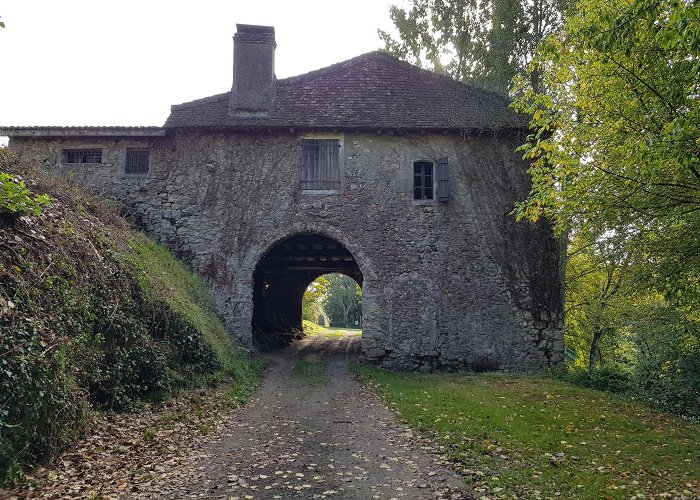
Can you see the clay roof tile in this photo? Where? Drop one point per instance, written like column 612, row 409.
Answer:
column 371, row 91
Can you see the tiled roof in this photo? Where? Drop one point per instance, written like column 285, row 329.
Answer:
column 106, row 131
column 371, row 91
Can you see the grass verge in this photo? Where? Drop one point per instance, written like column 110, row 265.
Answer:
column 531, row 437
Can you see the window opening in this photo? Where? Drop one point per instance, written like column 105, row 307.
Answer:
column 71, row 156
column 136, row 161
column 320, row 164
column 422, row 180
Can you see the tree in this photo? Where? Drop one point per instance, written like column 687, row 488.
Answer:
column 314, row 293
column 483, row 42
column 343, row 300
column 599, row 288
column 616, row 134
column 615, row 150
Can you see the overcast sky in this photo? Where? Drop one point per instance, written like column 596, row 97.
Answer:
column 124, row 62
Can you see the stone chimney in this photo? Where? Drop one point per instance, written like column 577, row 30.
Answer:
column 253, row 90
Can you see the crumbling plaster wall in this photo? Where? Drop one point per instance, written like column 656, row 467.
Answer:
column 446, row 285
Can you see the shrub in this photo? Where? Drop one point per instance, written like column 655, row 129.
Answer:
column 610, row 379
column 16, row 199
column 93, row 316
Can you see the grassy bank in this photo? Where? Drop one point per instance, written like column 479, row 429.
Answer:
column 93, row 316
column 531, row 437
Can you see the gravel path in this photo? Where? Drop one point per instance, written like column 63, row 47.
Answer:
column 317, row 437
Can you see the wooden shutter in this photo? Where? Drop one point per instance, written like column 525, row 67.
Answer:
column 443, row 180
column 309, row 169
column 329, row 166
column 320, row 164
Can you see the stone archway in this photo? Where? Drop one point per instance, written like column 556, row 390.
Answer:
column 281, row 277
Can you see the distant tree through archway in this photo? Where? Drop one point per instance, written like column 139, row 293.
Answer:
column 280, row 279
column 335, row 297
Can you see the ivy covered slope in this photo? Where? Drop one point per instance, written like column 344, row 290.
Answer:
column 93, row 315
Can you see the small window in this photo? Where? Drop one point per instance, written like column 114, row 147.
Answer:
column 136, row 161
column 320, row 169
column 423, row 180
column 431, row 181
column 72, row 156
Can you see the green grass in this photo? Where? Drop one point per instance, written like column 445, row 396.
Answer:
column 312, row 369
column 167, row 279
column 533, row 437
column 313, row 329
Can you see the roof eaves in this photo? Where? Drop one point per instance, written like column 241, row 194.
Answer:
column 364, row 128
column 106, row 131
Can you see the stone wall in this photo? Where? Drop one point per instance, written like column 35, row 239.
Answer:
column 450, row 285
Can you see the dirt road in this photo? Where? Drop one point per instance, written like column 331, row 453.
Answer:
column 312, row 431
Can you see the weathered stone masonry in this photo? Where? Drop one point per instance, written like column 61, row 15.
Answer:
column 446, row 285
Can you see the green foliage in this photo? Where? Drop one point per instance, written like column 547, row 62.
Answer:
column 615, row 142
column 311, row 305
column 342, row 301
column 615, row 150
column 627, row 337
column 335, row 295
column 16, row 199
column 89, row 322
column 195, row 329
column 532, row 437
column 484, row 43
column 599, row 290
column 311, row 328
column 667, row 371
column 606, row 378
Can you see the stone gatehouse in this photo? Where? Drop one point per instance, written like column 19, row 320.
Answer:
column 395, row 176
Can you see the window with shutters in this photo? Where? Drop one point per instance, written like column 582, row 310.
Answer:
column 136, row 161
column 320, row 168
column 423, row 180
column 431, row 180
column 73, row 156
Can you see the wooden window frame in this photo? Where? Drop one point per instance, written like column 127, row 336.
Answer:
column 438, row 178
column 422, row 192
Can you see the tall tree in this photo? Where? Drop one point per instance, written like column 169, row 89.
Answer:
column 599, row 289
column 343, row 300
column 311, row 304
column 616, row 133
column 483, row 42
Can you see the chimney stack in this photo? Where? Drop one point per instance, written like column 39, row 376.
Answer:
column 253, row 90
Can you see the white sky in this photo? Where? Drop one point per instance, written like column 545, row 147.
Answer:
column 124, row 62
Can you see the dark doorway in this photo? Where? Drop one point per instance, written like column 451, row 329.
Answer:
column 280, row 279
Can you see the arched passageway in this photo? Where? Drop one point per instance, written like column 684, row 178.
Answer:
column 280, row 279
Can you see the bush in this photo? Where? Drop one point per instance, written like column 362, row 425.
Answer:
column 43, row 408
column 667, row 373
column 16, row 199
column 608, row 379
column 94, row 316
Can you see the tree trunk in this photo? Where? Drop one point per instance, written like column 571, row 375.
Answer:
column 594, row 353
